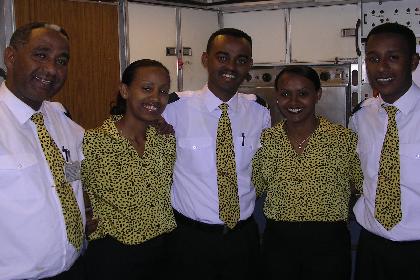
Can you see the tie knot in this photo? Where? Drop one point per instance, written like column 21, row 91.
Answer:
column 391, row 110
column 38, row 119
column 224, row 107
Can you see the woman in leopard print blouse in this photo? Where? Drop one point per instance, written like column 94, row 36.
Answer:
column 127, row 173
column 305, row 166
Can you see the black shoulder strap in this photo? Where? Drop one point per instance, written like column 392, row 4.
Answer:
column 261, row 101
column 357, row 108
column 173, row 97
column 67, row 112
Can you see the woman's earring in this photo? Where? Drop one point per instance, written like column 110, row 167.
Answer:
column 277, row 101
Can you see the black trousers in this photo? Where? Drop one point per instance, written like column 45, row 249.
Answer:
column 306, row 250
column 382, row 259
column 76, row 272
column 207, row 252
column 107, row 258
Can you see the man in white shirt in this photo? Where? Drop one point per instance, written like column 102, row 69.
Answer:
column 204, row 247
column 33, row 238
column 389, row 250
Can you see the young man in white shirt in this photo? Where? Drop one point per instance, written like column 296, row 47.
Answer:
column 203, row 246
column 389, row 248
column 33, row 237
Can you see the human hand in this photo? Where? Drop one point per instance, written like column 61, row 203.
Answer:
column 91, row 223
column 163, row 127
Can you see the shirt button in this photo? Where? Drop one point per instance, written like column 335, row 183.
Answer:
column 194, row 147
column 19, row 166
column 418, row 156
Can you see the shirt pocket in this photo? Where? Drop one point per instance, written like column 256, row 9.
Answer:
column 410, row 163
column 197, row 154
column 245, row 149
column 17, row 174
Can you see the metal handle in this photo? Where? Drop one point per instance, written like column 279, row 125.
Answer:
column 358, row 52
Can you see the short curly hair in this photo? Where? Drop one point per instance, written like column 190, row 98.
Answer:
column 396, row 28
column 22, row 34
column 228, row 32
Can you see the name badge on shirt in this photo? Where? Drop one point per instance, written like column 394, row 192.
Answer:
column 71, row 168
column 72, row 171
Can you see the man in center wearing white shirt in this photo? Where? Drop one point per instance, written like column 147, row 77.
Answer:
column 389, row 251
column 202, row 246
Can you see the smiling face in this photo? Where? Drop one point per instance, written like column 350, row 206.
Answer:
column 389, row 65
column 147, row 94
column 37, row 70
column 296, row 98
column 228, row 62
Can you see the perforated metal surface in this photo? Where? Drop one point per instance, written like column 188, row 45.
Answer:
column 335, row 103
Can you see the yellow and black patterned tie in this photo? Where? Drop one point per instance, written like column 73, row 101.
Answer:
column 227, row 180
column 388, row 193
column 71, row 212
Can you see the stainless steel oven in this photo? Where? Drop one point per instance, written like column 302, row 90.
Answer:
column 335, row 103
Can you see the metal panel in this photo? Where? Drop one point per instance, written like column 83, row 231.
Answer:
column 179, row 68
column 123, row 34
column 405, row 12
column 149, row 35
column 247, row 6
column 197, row 26
column 7, row 23
column 316, row 33
column 268, row 32
column 335, row 103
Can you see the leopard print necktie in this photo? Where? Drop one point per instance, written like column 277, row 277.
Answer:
column 71, row 212
column 388, row 193
column 227, row 181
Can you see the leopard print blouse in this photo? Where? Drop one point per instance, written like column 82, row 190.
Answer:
column 130, row 194
column 314, row 185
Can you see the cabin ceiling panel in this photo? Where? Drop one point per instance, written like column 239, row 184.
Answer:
column 232, row 6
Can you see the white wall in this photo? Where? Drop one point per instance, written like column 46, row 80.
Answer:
column 316, row 33
column 196, row 28
column 150, row 30
column 267, row 29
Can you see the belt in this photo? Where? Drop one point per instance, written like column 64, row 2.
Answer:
column 217, row 228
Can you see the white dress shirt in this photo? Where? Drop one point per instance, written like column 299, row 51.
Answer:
column 195, row 117
column 33, row 238
column 370, row 123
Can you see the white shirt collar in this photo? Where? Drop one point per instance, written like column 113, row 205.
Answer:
column 406, row 102
column 19, row 109
column 212, row 102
